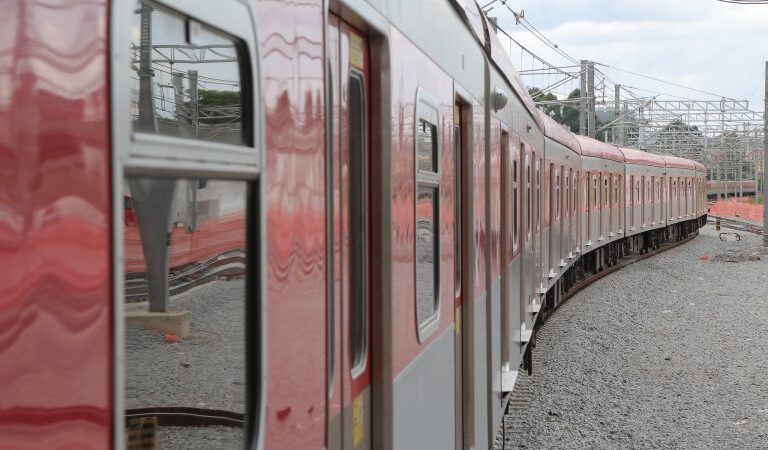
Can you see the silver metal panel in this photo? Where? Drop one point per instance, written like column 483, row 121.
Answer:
column 545, row 253
column 494, row 395
column 481, row 378
column 454, row 52
column 423, row 398
column 515, row 320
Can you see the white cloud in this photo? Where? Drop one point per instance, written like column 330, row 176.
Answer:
column 706, row 44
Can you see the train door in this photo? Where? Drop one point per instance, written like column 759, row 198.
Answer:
column 350, row 394
column 460, row 141
column 538, row 206
column 527, row 276
column 575, row 217
column 554, row 187
column 565, row 241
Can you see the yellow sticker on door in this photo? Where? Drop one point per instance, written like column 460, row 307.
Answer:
column 358, row 420
column 356, row 51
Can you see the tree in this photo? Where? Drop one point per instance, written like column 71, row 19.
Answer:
column 570, row 116
column 553, row 110
column 211, row 97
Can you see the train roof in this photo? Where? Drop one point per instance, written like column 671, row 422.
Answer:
column 679, row 163
column 700, row 166
column 502, row 61
column 633, row 156
column 473, row 16
column 597, row 149
column 559, row 133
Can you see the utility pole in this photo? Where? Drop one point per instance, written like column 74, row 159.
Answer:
column 147, row 121
column 583, row 99
column 765, row 160
column 591, row 89
column 624, row 127
column 616, row 114
column 742, row 154
column 722, row 150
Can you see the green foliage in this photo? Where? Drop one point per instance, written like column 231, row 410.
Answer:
column 552, row 110
column 210, row 97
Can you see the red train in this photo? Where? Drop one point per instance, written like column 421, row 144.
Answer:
column 288, row 224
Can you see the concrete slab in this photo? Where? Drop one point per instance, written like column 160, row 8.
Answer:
column 176, row 322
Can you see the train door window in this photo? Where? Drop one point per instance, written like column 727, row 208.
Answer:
column 189, row 278
column 457, row 184
column 674, row 189
column 606, row 196
column 567, row 203
column 587, row 190
column 528, row 195
column 658, row 191
column 575, row 192
column 637, row 191
column 427, row 216
column 556, row 200
column 647, row 198
column 358, row 221
column 595, row 192
column 538, row 193
column 615, row 190
column 514, row 200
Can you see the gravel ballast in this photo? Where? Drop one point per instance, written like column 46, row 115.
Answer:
column 204, row 370
column 670, row 352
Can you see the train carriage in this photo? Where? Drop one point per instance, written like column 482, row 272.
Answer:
column 601, row 220
column 645, row 207
column 563, row 156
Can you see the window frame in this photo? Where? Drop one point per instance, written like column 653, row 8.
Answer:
column 424, row 104
column 153, row 155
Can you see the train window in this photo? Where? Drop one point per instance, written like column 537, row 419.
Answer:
column 358, row 222
column 514, row 202
column 637, row 192
column 188, row 328
column 189, row 309
column 528, row 196
column 186, row 79
column 567, row 203
column 575, row 192
column 457, row 189
column 556, row 202
column 674, row 189
column 587, row 196
column 538, row 193
column 595, row 192
column 426, row 254
column 658, row 191
column 606, row 196
column 427, row 214
column 647, row 190
column 426, row 138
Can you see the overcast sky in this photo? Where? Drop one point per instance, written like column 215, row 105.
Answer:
column 705, row 44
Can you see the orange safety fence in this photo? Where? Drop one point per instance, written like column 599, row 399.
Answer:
column 740, row 209
column 213, row 237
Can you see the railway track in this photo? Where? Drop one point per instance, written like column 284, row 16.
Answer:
column 736, row 224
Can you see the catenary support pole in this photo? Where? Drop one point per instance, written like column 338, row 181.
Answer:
column 583, row 99
column 616, row 114
column 591, row 119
